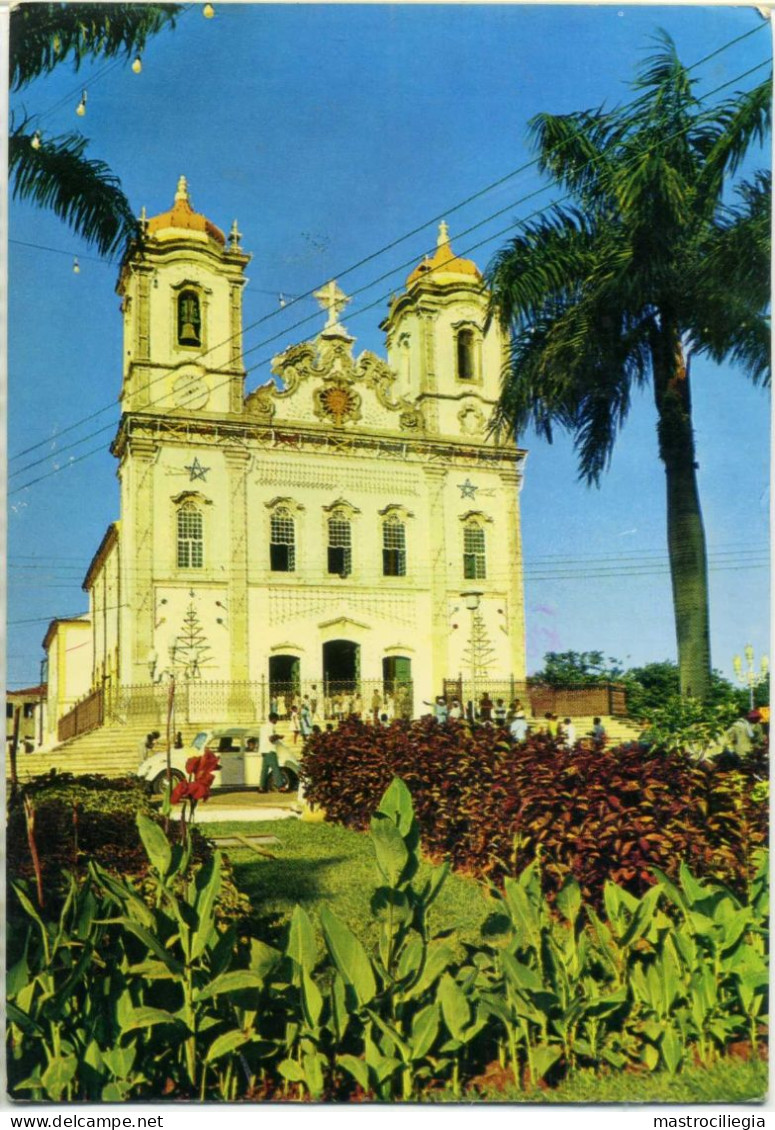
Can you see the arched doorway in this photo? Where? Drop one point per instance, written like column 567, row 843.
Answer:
column 341, row 666
column 397, row 680
column 284, row 682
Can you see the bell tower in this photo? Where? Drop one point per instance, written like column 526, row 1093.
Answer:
column 438, row 344
column 181, row 292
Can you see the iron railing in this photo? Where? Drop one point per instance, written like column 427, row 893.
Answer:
column 199, row 701
column 85, row 715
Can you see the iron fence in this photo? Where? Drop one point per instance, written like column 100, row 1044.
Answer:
column 199, row 701
column 85, row 715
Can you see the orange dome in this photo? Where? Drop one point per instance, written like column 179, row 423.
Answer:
column 444, row 263
column 183, row 216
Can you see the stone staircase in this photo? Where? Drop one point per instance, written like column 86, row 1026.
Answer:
column 113, row 750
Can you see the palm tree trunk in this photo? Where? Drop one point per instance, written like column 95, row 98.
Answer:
column 685, row 532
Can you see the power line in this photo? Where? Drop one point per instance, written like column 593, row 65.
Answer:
column 387, row 247
column 352, row 314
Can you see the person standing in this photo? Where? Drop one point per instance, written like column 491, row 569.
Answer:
column 499, row 713
column 305, row 718
column 485, row 707
column 598, row 734
column 440, row 710
column 295, row 724
column 455, row 711
column 518, row 728
column 270, row 765
column 569, row 733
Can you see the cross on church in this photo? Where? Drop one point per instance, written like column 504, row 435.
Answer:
column 332, row 299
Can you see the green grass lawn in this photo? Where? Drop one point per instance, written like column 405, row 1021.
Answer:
column 729, row 1081
column 324, row 863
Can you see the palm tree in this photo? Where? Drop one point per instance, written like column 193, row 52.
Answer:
column 54, row 172
column 648, row 267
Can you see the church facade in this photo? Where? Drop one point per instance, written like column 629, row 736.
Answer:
column 349, row 527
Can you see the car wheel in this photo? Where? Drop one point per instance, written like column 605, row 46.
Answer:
column 290, row 780
column 160, row 782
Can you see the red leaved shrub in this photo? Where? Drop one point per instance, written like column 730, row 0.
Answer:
column 490, row 807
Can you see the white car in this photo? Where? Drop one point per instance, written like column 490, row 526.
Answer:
column 240, row 767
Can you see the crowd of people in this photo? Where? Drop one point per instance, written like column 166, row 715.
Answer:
column 514, row 718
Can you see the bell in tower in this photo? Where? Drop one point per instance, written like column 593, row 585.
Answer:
column 189, row 319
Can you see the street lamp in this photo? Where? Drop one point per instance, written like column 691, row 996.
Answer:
column 749, row 676
column 472, row 599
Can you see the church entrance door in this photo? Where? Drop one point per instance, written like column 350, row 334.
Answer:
column 397, row 681
column 341, row 666
column 284, row 682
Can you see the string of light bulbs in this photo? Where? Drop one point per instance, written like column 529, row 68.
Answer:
column 314, row 315
column 286, row 301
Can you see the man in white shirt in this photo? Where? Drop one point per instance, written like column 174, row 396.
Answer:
column 569, row 732
column 267, row 739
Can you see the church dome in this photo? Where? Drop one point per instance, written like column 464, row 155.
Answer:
column 444, row 266
column 183, row 217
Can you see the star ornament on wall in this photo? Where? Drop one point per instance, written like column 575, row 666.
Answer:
column 467, row 489
column 197, row 471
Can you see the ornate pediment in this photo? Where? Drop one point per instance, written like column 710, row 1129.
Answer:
column 327, row 384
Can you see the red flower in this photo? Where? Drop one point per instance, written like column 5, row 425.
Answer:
column 180, row 792
column 192, row 765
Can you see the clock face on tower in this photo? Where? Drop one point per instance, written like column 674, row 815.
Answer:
column 190, row 391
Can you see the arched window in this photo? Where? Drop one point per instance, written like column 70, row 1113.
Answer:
column 339, row 545
column 190, row 537
column 393, row 547
column 466, row 360
column 282, row 544
column 189, row 319
column 474, row 557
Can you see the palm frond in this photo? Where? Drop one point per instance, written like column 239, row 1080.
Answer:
column 44, row 35
column 80, row 191
column 732, row 129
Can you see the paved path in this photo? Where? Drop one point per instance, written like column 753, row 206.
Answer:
column 246, row 807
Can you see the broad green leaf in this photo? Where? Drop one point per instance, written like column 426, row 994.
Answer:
column 312, row 1001
column 569, row 899
column 521, row 975
column 671, row 1048
column 357, row 1068
column 544, row 1058
column 156, row 844
column 694, row 891
column 454, row 1006
column 59, row 1073
column 390, row 848
column 526, row 922
column 650, row 1056
column 231, row 982
column 147, row 1017
column 411, row 958
column 436, row 881
column 153, row 944
column 438, row 958
column 152, row 970
column 226, row 1043
column 291, row 1070
column 313, row 1063
column 339, row 1012
column 641, row 919
column 397, row 805
column 263, row 958
column 208, row 886
column 120, row 1060
column 302, row 946
column 349, row 956
column 425, row 1028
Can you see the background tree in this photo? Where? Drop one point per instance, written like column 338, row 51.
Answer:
column 54, row 172
column 650, row 268
column 576, row 668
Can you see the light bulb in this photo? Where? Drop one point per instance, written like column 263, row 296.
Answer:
column 81, row 107
column 137, row 66
column 76, row 267
column 35, row 143
column 208, row 11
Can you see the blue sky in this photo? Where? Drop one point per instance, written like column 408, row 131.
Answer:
column 331, row 132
